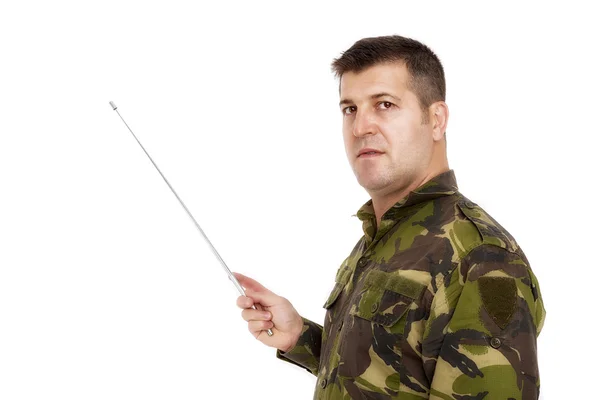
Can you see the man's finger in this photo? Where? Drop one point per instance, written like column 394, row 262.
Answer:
column 255, row 327
column 255, row 315
column 245, row 302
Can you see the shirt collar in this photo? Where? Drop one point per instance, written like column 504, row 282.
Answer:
column 443, row 184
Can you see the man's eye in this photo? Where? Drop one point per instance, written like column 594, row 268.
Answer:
column 348, row 110
column 385, row 104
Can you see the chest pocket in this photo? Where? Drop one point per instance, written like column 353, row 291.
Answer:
column 341, row 279
column 386, row 297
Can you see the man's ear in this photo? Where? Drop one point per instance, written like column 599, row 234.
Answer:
column 438, row 118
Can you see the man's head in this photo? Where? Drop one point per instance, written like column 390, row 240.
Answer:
column 392, row 92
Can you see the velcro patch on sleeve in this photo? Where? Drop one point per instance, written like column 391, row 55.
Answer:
column 499, row 297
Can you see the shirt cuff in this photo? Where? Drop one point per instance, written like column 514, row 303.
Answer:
column 307, row 351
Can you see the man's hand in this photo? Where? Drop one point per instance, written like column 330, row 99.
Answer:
column 273, row 312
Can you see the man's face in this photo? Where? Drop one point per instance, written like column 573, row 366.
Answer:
column 380, row 113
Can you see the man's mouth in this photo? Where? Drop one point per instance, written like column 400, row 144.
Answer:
column 366, row 153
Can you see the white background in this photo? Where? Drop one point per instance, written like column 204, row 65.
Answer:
column 107, row 291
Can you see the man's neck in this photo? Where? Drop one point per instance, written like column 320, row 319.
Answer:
column 383, row 203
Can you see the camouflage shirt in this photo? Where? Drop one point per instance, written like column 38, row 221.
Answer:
column 438, row 303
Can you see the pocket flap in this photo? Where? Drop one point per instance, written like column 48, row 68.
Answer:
column 341, row 278
column 386, row 297
column 395, row 283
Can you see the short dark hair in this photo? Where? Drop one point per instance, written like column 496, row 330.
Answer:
column 426, row 74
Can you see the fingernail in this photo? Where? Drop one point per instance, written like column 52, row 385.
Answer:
column 267, row 315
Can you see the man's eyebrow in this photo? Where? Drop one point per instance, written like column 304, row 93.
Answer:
column 373, row 96
column 345, row 101
column 384, row 94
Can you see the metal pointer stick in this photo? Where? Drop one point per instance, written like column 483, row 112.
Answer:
column 231, row 276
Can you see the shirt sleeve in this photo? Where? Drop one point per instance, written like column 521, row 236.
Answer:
column 307, row 352
column 480, row 340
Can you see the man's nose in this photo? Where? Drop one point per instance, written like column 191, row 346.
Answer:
column 364, row 124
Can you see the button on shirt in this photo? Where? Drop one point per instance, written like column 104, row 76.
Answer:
column 439, row 302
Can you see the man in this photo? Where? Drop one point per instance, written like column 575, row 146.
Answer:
column 436, row 300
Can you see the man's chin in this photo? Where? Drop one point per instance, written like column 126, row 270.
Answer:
column 372, row 185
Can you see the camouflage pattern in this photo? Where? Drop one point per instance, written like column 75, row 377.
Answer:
column 438, row 303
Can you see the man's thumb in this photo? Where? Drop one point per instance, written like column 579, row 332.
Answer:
column 255, row 290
